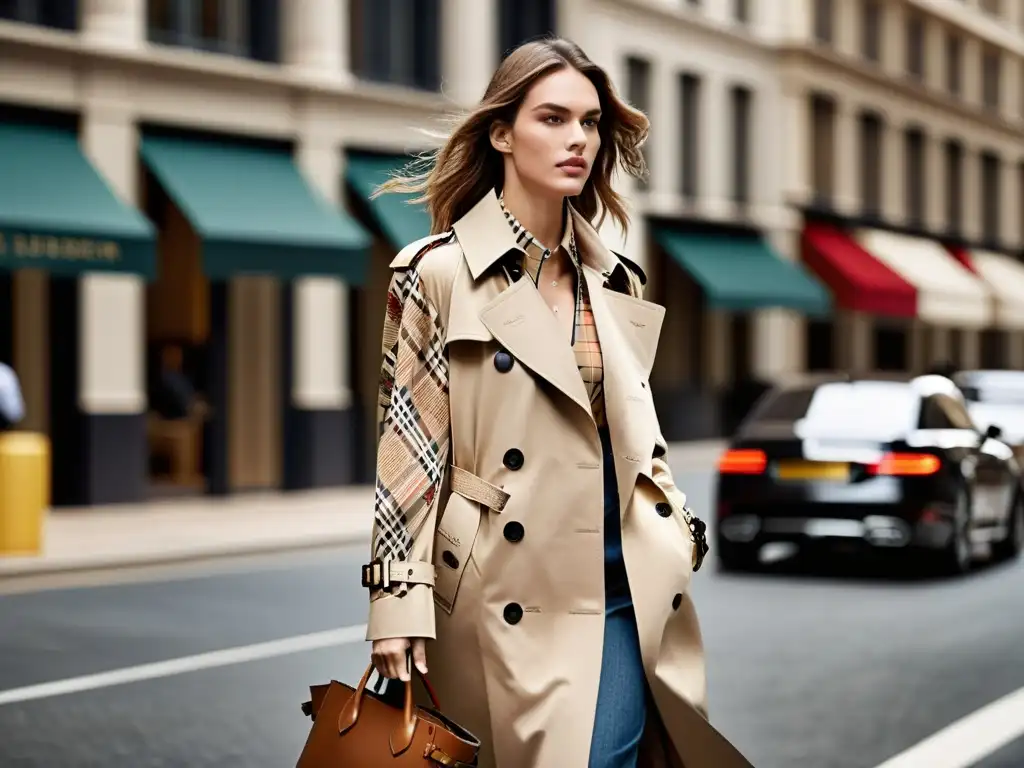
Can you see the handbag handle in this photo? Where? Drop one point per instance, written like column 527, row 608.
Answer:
column 401, row 737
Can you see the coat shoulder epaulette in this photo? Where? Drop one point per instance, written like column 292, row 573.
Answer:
column 414, row 251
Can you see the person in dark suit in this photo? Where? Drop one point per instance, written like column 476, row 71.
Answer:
column 174, row 395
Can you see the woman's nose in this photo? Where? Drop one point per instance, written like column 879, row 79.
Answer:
column 578, row 137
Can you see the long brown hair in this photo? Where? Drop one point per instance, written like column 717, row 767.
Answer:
column 450, row 180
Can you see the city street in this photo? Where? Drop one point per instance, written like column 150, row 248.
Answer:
column 837, row 671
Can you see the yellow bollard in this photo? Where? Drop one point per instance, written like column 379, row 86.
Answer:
column 24, row 491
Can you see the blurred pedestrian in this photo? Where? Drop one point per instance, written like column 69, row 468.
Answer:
column 174, row 395
column 12, row 406
column 551, row 573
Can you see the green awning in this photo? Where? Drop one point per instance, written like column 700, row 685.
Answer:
column 399, row 221
column 742, row 273
column 58, row 214
column 254, row 212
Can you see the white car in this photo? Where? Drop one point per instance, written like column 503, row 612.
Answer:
column 996, row 397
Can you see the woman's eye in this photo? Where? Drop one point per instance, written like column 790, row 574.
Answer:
column 552, row 119
column 590, row 122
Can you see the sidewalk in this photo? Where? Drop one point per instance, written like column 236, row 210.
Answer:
column 179, row 530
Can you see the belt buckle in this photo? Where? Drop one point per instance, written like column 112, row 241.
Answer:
column 377, row 575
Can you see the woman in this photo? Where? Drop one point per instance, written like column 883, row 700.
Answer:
column 528, row 539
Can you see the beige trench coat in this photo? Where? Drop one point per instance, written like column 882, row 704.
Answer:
column 519, row 622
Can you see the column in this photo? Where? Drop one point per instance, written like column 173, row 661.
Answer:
column 469, row 53
column 321, row 439
column 796, row 109
column 935, row 182
column 940, row 346
column 1015, row 349
column 714, row 148
column 97, row 322
column 970, row 349
column 894, row 177
column 1011, row 228
column 854, row 342
column 114, row 23
column 972, row 213
column 779, row 334
column 894, row 38
column 315, row 38
column 846, row 157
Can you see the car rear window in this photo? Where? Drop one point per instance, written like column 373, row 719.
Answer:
column 879, row 410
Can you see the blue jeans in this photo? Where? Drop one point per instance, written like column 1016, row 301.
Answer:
column 622, row 695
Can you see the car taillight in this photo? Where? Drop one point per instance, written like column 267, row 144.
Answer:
column 742, row 461
column 906, row 464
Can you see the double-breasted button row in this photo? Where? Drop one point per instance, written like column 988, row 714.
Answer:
column 514, row 531
column 513, row 613
column 663, row 508
column 677, row 601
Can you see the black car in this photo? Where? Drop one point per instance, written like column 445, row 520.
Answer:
column 868, row 464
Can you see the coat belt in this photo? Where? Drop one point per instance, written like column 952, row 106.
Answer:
column 476, row 489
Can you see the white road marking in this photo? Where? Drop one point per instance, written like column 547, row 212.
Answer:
column 222, row 658
column 968, row 740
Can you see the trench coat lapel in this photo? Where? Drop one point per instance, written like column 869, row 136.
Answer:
column 518, row 317
column 524, row 325
column 626, row 328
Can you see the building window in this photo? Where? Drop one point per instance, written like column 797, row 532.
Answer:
column 638, row 92
column 915, row 46
column 914, row 142
column 871, row 30
column 246, row 28
column 523, row 20
column 871, row 128
column 954, row 63
column 954, row 186
column 689, row 100
column 390, row 44
column 59, row 14
column 990, row 78
column 741, row 11
column 823, row 138
column 990, row 197
column 742, row 101
column 823, row 13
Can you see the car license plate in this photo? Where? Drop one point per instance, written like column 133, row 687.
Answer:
column 813, row 470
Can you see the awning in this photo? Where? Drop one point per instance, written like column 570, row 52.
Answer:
column 254, row 212
column 58, row 214
column 858, row 280
column 741, row 273
column 1004, row 277
column 399, row 221
column 947, row 293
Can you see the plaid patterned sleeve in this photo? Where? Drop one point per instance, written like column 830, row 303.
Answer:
column 414, row 425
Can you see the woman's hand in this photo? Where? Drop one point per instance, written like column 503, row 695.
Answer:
column 390, row 656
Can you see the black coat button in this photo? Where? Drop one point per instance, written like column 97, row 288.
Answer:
column 513, row 613
column 663, row 509
column 450, row 559
column 676, row 602
column 503, row 361
column 513, row 459
column 514, row 531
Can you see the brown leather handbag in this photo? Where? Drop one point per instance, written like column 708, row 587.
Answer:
column 359, row 729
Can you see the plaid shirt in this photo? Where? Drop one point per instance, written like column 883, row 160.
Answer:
column 585, row 343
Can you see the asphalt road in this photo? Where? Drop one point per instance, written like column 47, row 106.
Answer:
column 805, row 671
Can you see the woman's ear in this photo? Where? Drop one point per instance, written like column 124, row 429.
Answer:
column 501, row 137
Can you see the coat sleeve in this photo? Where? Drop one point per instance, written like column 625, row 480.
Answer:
column 412, row 454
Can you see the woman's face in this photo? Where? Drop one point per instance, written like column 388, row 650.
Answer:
column 554, row 140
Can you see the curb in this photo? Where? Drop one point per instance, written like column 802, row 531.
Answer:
column 17, row 569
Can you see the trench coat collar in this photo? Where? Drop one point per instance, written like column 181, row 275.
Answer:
column 485, row 237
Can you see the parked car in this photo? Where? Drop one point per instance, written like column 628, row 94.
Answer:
column 868, row 464
column 996, row 397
